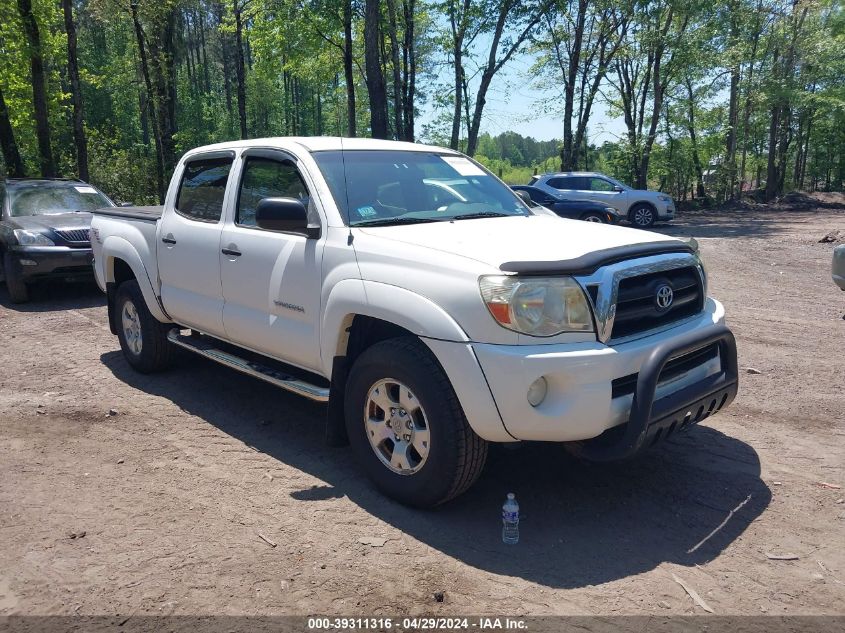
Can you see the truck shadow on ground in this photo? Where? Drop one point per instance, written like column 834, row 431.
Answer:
column 582, row 524
column 49, row 296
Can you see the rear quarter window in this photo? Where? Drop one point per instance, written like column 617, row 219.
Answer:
column 202, row 189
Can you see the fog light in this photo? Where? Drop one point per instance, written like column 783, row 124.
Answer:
column 28, row 262
column 537, row 391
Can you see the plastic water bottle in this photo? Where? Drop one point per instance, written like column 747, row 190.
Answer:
column 510, row 520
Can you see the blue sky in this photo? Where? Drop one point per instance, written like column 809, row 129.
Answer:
column 515, row 103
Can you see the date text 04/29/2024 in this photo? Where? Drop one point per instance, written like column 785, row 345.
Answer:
column 415, row 623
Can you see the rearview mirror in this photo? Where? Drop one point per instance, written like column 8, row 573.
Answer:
column 125, row 204
column 288, row 215
column 618, row 189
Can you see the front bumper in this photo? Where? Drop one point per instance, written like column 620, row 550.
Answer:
column 667, row 212
column 51, row 261
column 581, row 404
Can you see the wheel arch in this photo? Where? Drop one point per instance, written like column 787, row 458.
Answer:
column 640, row 203
column 358, row 314
column 122, row 263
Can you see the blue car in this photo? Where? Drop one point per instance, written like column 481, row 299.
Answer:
column 586, row 210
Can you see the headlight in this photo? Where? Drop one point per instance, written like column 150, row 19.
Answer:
column 32, row 238
column 611, row 211
column 537, row 306
column 664, row 198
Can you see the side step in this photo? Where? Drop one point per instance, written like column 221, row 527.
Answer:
column 205, row 347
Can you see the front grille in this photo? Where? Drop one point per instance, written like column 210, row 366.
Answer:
column 636, row 305
column 626, row 385
column 77, row 236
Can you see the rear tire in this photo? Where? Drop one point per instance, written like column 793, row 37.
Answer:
column 143, row 338
column 594, row 216
column 642, row 215
column 18, row 292
column 426, row 416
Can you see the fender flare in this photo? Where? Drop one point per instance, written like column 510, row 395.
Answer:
column 115, row 247
column 350, row 297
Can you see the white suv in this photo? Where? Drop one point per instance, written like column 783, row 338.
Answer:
column 642, row 208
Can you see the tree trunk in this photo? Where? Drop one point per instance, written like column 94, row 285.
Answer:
column 348, row 69
column 145, row 71
column 39, row 87
column 8, row 145
column 495, row 62
column 75, row 93
column 570, row 149
column 164, row 83
column 398, row 89
column 772, row 177
column 375, row 75
column 455, row 139
column 227, row 72
column 696, row 160
column 239, row 68
column 409, row 82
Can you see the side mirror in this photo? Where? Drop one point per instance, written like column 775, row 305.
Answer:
column 288, row 215
column 523, row 195
column 126, row 204
column 618, row 189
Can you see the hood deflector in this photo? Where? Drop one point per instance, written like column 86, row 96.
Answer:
column 590, row 262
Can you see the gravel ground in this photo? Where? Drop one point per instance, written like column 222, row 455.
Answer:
column 158, row 508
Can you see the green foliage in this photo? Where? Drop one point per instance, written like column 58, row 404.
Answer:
column 782, row 54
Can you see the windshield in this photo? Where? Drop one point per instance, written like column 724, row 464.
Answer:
column 383, row 187
column 50, row 199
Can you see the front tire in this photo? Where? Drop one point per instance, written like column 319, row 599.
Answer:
column 642, row 216
column 18, row 292
column 594, row 216
column 143, row 338
column 406, row 426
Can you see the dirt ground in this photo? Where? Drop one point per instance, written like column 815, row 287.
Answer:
column 157, row 509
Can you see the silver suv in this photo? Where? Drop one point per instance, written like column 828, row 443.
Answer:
column 642, row 208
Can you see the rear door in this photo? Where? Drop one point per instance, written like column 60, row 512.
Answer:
column 188, row 250
column 568, row 186
column 271, row 280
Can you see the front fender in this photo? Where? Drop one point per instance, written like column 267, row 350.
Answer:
column 115, row 247
column 408, row 310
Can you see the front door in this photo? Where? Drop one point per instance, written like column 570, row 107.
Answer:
column 271, row 280
column 188, row 248
column 603, row 191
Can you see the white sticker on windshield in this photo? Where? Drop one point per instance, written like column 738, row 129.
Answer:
column 86, row 189
column 463, row 166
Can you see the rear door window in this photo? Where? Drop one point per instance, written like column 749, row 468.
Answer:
column 203, row 188
column 565, row 182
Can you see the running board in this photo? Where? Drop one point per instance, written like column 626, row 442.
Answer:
column 275, row 377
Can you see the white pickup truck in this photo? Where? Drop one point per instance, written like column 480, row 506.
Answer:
column 422, row 299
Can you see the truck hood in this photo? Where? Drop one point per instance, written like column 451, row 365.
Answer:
column 495, row 241
column 60, row 221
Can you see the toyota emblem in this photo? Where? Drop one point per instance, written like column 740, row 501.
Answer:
column 663, row 297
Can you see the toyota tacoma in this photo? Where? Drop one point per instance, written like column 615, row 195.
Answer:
column 422, row 299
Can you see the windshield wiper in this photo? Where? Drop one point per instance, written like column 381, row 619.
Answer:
column 483, row 214
column 395, row 221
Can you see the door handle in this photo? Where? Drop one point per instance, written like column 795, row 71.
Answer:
column 231, row 252
column 169, row 239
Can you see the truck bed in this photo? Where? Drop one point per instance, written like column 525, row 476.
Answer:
column 150, row 214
